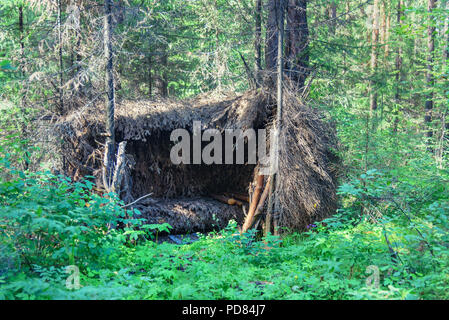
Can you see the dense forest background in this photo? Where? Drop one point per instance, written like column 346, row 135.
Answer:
column 378, row 71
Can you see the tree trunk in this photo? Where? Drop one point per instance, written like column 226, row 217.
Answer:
column 22, row 55
column 387, row 36
column 22, row 46
column 26, row 161
column 446, row 64
column 398, row 76
column 76, row 46
column 271, row 37
column 274, row 186
column 429, row 75
column 110, row 108
column 258, row 41
column 444, row 137
column 61, row 66
column 373, row 64
column 297, row 44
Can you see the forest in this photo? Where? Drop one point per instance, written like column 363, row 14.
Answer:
column 224, row 150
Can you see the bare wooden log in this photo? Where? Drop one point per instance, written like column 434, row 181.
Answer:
column 239, row 196
column 254, row 202
column 263, row 198
column 227, row 200
column 106, row 169
column 119, row 168
column 260, row 205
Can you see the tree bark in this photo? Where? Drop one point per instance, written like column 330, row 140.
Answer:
column 110, row 102
column 271, row 37
column 429, row 76
column 387, row 36
column 22, row 46
column 398, row 65
column 446, row 64
column 22, row 54
column 444, row 137
column 258, row 41
column 373, row 64
column 61, row 66
column 297, row 44
column 26, row 161
column 274, row 186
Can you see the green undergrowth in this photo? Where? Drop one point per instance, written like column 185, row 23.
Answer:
column 388, row 240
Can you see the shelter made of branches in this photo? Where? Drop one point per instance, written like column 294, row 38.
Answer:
column 184, row 195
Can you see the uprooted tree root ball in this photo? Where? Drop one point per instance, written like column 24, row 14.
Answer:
column 307, row 167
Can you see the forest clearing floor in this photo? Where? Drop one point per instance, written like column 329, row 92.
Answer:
column 330, row 262
column 388, row 240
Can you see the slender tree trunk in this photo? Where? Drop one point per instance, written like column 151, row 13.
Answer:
column 298, row 42
column 444, row 137
column 398, row 76
column 61, row 65
column 373, row 64
column 22, row 53
column 383, row 23
column 385, row 28
column 258, row 41
column 76, row 46
column 110, row 102
column 274, row 187
column 26, row 160
column 22, row 46
column 446, row 64
column 429, row 77
column 387, row 36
